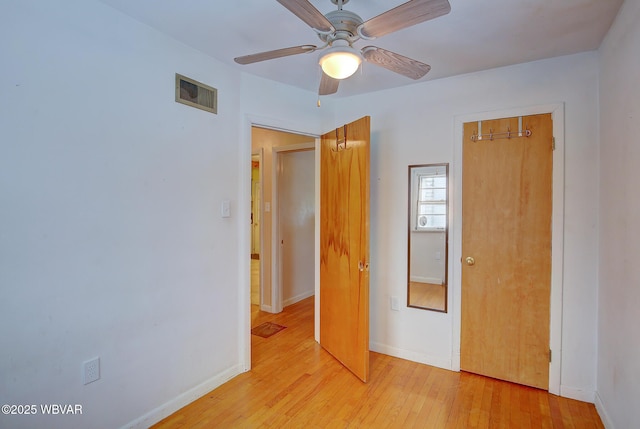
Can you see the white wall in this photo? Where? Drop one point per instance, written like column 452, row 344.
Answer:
column 619, row 276
column 425, row 265
column 296, row 213
column 111, row 239
column 414, row 125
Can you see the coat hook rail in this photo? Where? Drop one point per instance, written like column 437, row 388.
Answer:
column 503, row 135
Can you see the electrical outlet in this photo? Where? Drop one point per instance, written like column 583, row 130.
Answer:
column 91, row 370
column 226, row 208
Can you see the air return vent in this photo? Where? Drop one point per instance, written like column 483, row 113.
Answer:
column 196, row 94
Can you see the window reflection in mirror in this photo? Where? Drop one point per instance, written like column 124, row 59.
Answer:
column 428, row 236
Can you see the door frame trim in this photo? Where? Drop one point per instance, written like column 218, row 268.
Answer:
column 244, row 211
column 557, row 238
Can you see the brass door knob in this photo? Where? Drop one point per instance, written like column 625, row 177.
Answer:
column 470, row 261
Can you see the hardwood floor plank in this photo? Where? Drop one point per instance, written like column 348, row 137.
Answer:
column 387, row 395
column 485, row 407
column 411, row 384
column 474, row 402
column 422, row 386
column 544, row 409
column 294, row 383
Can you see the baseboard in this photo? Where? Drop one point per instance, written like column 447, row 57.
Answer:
column 165, row 410
column 430, row 280
column 577, row 394
column 440, row 362
column 266, row 308
column 297, row 298
column 602, row 412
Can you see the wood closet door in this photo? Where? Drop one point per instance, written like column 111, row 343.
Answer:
column 344, row 245
column 506, row 230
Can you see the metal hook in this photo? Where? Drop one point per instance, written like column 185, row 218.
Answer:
column 341, row 144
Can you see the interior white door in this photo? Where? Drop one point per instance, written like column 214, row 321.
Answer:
column 296, row 222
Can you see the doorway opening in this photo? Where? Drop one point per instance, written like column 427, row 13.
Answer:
column 342, row 216
column 283, row 194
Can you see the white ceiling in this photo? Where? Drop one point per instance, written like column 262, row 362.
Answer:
column 475, row 35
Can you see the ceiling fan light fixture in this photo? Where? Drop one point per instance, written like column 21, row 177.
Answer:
column 340, row 62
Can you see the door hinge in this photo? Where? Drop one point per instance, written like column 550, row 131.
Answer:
column 553, row 143
column 549, row 355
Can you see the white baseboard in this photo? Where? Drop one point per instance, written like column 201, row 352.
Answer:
column 440, row 362
column 602, row 412
column 430, row 280
column 297, row 298
column 577, row 394
column 266, row 308
column 165, row 410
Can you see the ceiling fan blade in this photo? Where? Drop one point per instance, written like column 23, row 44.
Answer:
column 407, row 14
column 397, row 63
column 309, row 14
column 278, row 53
column 328, row 85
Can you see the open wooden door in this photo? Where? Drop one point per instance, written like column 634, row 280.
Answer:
column 344, row 245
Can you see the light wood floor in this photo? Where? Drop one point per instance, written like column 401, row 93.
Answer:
column 294, row 383
column 427, row 295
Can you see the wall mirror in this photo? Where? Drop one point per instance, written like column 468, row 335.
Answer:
column 428, row 236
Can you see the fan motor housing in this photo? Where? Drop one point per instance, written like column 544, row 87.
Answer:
column 346, row 24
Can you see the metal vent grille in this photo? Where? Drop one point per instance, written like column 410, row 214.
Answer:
column 196, row 94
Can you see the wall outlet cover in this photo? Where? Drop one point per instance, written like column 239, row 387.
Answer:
column 91, row 370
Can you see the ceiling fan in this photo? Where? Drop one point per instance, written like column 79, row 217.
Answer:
column 339, row 29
